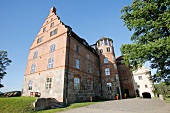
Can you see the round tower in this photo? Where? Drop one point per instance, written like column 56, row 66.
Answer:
column 108, row 68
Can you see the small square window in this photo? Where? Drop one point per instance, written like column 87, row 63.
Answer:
column 140, row 77
column 109, row 86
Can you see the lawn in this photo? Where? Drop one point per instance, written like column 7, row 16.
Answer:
column 167, row 99
column 24, row 105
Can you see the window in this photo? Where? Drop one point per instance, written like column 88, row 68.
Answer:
column 33, row 68
column 51, row 19
column 109, row 86
column 140, row 77
column 76, row 83
column 106, row 60
column 89, row 84
column 101, row 51
column 77, row 64
column 40, row 40
column 44, row 29
column 88, row 57
column 52, row 25
column 30, row 85
column 53, row 32
column 89, row 68
column 146, row 86
column 48, row 83
column 115, row 66
column 138, row 86
column 52, row 48
column 50, row 63
column 98, row 73
column 105, row 42
column 117, row 77
column 108, row 49
column 77, row 48
column 107, row 71
column 35, row 54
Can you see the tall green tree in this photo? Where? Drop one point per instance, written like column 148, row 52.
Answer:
column 150, row 22
column 4, row 62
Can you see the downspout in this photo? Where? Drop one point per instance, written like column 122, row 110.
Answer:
column 68, row 60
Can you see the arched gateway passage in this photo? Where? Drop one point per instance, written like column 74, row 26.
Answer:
column 146, row 95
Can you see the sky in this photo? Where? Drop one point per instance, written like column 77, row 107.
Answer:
column 21, row 20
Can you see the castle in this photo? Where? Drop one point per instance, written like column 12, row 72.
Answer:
column 63, row 66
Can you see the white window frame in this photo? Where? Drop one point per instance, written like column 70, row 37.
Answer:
column 30, row 85
column 106, row 61
column 76, row 83
column 50, row 63
column 48, row 83
column 109, row 86
column 77, row 63
column 52, row 48
column 107, row 71
column 33, row 66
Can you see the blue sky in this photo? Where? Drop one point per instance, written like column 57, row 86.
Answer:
column 20, row 21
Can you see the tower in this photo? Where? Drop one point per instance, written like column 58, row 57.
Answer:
column 108, row 68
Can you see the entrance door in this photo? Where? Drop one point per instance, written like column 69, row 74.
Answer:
column 146, row 95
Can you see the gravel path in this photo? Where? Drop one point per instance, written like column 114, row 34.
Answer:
column 125, row 106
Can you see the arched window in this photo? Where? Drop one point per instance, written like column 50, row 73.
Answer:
column 106, row 60
column 52, row 48
column 107, row 71
column 76, row 83
column 33, row 68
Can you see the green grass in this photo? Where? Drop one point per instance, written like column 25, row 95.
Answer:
column 24, row 105
column 167, row 99
column 16, row 104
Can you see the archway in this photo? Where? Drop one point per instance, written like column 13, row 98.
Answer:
column 146, row 95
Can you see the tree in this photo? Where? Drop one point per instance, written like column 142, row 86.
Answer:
column 150, row 22
column 4, row 62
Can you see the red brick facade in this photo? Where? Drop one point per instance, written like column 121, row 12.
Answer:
column 64, row 66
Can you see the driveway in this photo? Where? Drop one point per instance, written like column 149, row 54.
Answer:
column 125, row 106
